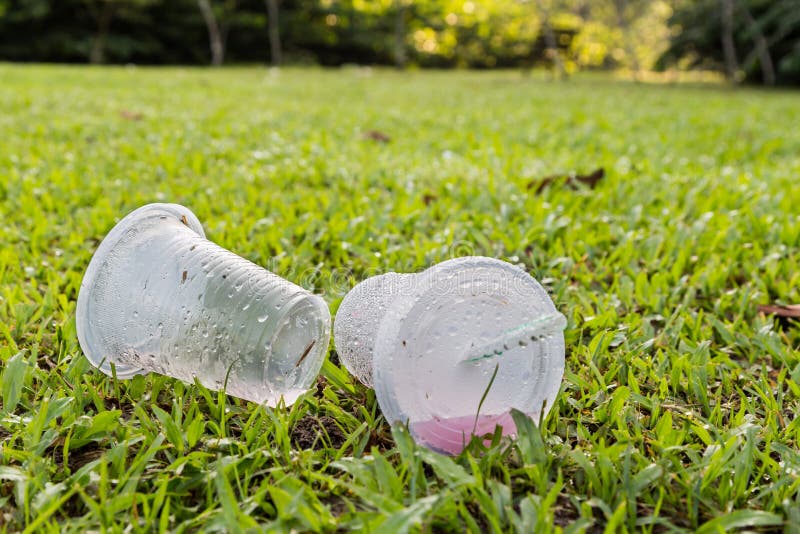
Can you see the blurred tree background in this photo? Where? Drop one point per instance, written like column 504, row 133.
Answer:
column 755, row 41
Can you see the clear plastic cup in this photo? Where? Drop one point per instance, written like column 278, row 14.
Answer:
column 452, row 350
column 159, row 297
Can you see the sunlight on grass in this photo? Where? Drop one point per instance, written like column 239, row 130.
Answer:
column 679, row 400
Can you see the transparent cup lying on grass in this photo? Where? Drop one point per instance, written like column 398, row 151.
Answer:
column 159, row 297
column 452, row 350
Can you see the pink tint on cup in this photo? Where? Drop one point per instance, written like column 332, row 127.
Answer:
column 452, row 350
column 452, row 435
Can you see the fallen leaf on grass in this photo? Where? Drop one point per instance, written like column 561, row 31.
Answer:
column 131, row 115
column 570, row 180
column 377, row 136
column 790, row 311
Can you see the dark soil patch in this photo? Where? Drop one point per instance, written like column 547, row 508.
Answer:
column 381, row 437
column 80, row 457
column 477, row 513
column 111, row 403
column 565, row 514
column 316, row 433
column 334, row 358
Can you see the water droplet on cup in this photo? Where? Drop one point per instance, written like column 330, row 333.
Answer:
column 186, row 330
column 462, row 330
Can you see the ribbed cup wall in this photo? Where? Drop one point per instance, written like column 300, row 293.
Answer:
column 159, row 297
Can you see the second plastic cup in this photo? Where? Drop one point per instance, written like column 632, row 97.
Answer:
column 452, row 350
column 157, row 296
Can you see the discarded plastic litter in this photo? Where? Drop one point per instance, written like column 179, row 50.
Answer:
column 453, row 349
column 157, row 296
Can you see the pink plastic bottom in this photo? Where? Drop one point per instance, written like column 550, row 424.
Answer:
column 452, row 435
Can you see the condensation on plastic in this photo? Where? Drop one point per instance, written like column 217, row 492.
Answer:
column 358, row 320
column 159, row 297
column 432, row 343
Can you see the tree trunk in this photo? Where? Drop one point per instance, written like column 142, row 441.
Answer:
column 214, row 34
column 97, row 55
column 550, row 41
column 400, row 57
column 762, row 47
column 622, row 22
column 275, row 52
column 728, row 46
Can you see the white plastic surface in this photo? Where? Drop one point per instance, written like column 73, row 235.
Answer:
column 157, row 296
column 358, row 319
column 464, row 330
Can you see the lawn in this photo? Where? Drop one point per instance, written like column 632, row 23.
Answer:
column 678, row 406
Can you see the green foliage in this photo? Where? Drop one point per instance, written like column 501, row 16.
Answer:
column 13, row 379
column 678, row 407
column 433, row 33
column 698, row 39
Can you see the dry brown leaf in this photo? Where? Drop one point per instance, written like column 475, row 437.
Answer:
column 789, row 311
column 131, row 115
column 570, row 180
column 377, row 136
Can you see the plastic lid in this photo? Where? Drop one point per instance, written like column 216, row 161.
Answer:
column 473, row 338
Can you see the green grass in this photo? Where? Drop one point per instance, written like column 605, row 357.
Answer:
column 678, row 406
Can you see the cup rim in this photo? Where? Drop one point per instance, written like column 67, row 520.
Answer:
column 430, row 283
column 85, row 329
